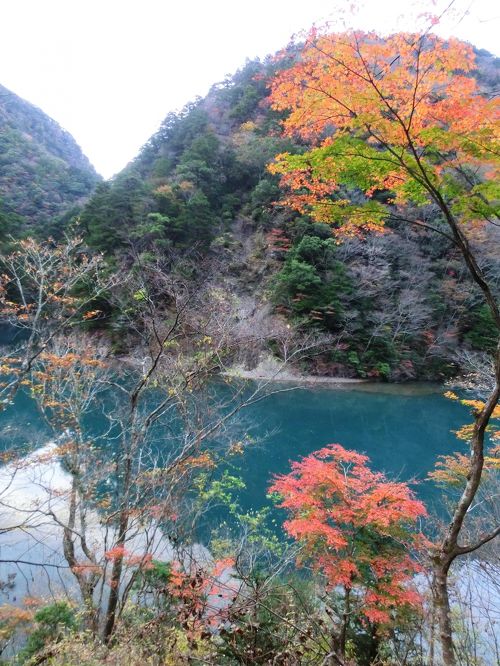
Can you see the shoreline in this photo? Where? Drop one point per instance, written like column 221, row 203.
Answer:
column 286, row 376
column 270, row 372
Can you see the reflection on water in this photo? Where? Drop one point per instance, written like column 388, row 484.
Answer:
column 34, row 508
column 402, row 428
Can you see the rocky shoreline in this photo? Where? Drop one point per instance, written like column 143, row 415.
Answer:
column 257, row 374
column 269, row 371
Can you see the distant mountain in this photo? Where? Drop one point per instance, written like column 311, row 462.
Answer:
column 43, row 172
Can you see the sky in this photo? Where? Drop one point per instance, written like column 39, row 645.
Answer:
column 109, row 71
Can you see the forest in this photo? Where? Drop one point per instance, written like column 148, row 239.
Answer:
column 329, row 214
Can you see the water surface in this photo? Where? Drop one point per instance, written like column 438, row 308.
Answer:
column 402, row 428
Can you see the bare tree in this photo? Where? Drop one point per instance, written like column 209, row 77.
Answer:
column 123, row 499
column 45, row 288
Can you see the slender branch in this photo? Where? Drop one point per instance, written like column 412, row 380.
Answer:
column 35, row 564
column 462, row 550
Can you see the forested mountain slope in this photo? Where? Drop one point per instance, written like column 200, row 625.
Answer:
column 399, row 304
column 43, row 172
column 332, row 211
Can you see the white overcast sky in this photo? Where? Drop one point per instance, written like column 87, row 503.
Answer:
column 110, row 70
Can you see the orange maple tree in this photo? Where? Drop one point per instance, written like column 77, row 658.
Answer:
column 356, row 528
column 399, row 129
column 401, row 115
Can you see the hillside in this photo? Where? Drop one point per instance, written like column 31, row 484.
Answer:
column 43, row 172
column 398, row 305
column 331, row 212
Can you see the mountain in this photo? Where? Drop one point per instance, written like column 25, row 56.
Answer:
column 399, row 304
column 43, row 172
column 192, row 178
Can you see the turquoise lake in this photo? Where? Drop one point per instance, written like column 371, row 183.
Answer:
column 402, row 428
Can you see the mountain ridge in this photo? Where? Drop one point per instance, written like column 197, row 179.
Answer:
column 43, row 172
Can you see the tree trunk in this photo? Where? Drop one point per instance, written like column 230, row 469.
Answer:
column 374, row 645
column 442, row 610
column 115, row 580
column 345, row 622
column 116, row 571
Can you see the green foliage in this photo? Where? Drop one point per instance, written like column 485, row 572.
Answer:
column 52, row 623
column 114, row 210
column 312, row 281
column 263, row 195
column 297, row 276
column 9, row 222
column 245, row 90
column 221, row 491
column 480, row 330
column 43, row 173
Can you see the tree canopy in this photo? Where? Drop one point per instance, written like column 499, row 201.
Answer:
column 355, row 526
column 394, row 121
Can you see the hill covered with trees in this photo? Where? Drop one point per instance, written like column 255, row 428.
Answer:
column 335, row 208
column 401, row 306
column 43, row 172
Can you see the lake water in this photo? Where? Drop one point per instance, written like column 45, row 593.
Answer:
column 402, row 428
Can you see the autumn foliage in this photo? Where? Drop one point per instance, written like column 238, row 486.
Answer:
column 401, row 116
column 453, row 469
column 355, row 527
